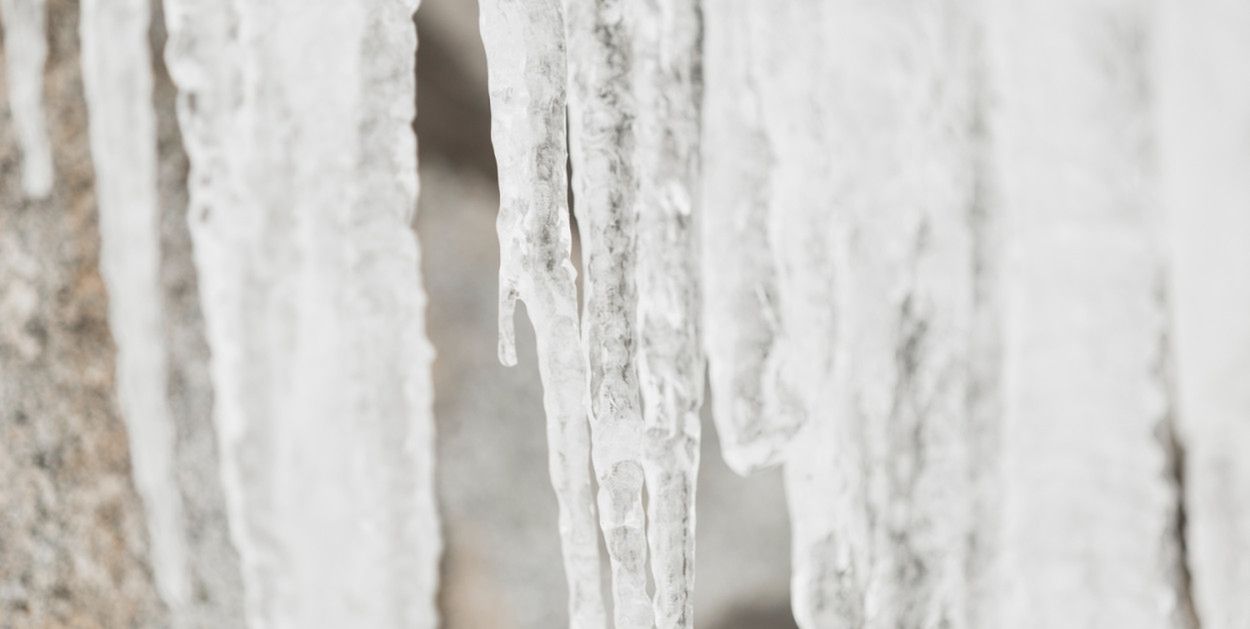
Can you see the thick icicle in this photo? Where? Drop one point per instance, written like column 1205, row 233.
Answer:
column 1088, row 506
column 602, row 117
column 874, row 164
column 117, row 79
column 741, row 310
column 670, row 355
column 25, row 52
column 1204, row 116
column 524, row 42
column 304, row 187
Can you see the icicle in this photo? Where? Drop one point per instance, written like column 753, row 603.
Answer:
column 117, row 78
column 869, row 109
column 1088, row 506
column 1204, row 115
column 26, row 51
column 602, row 116
column 670, row 356
column 304, row 185
column 741, row 310
column 524, row 42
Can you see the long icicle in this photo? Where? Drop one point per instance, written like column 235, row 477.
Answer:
column 602, row 116
column 26, row 52
column 117, row 79
column 670, row 354
column 298, row 124
column 524, row 42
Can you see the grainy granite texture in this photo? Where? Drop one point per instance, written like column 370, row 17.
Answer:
column 72, row 541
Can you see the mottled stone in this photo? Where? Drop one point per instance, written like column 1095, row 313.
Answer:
column 72, row 542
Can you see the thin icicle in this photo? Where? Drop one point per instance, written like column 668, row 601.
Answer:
column 304, row 185
column 741, row 312
column 670, row 356
column 1088, row 507
column 1204, row 123
column 876, row 292
column 26, row 51
column 602, row 117
column 524, row 42
column 117, row 78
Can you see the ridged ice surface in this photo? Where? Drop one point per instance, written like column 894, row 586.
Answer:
column 1204, row 122
column 296, row 118
column 741, row 314
column 876, row 284
column 26, row 52
column 524, row 42
column 117, row 79
column 670, row 352
column 1089, row 506
column 602, row 134
column 936, row 283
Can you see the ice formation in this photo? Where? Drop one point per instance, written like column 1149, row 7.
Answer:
column 875, row 261
column 117, row 79
column 26, row 51
column 602, row 140
column 1088, row 505
column 741, row 313
column 670, row 355
column 634, row 90
column 524, row 42
column 297, row 118
column 974, row 273
column 1204, row 119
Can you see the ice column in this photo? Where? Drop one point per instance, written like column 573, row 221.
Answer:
column 602, row 113
column 1088, row 504
column 297, row 117
column 26, row 51
column 670, row 354
column 117, row 78
column 1204, row 123
column 524, row 42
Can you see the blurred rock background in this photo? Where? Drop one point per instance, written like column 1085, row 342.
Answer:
column 72, row 545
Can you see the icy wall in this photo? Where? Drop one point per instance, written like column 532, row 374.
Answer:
column 975, row 275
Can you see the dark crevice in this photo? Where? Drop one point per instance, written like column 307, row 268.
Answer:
column 1186, row 613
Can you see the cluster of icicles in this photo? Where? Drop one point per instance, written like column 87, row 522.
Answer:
column 977, row 274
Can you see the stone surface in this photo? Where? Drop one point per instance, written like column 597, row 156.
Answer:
column 72, row 544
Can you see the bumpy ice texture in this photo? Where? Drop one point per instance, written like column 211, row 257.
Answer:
column 297, row 119
column 670, row 354
column 524, row 42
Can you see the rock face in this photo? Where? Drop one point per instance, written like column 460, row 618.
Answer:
column 72, row 542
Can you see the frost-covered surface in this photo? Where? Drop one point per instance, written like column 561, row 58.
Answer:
column 670, row 353
column 741, row 312
column 1088, row 507
column 602, row 116
column 524, row 42
column 26, row 52
column 877, row 288
column 303, row 187
column 117, row 80
column 1204, row 122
